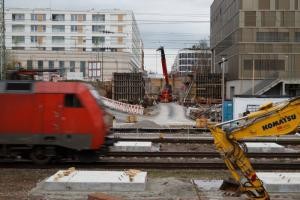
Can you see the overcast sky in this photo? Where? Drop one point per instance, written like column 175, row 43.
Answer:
column 173, row 24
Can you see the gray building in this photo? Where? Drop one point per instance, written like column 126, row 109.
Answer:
column 261, row 41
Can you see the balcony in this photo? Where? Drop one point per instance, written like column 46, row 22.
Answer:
column 58, row 40
column 58, row 28
column 18, row 40
column 18, row 28
column 98, row 18
column 58, row 17
column 18, row 17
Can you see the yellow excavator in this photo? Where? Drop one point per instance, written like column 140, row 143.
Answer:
column 270, row 120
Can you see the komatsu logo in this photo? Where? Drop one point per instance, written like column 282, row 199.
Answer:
column 282, row 121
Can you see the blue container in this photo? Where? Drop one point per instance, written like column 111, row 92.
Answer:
column 228, row 111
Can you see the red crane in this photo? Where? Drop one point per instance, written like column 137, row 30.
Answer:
column 166, row 93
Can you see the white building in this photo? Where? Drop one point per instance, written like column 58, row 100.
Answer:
column 72, row 40
column 192, row 60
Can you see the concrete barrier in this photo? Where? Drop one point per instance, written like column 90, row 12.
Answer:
column 123, row 107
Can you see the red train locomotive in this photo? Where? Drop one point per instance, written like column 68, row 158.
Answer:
column 46, row 120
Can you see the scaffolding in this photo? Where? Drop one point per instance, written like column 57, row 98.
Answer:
column 2, row 40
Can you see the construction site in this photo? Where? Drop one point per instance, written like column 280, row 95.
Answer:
column 120, row 104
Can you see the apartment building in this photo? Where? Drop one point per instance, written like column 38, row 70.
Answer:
column 192, row 60
column 261, row 41
column 74, row 41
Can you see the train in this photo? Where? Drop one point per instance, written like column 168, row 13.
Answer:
column 47, row 121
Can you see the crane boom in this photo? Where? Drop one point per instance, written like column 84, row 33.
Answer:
column 164, row 64
column 166, row 94
column 271, row 120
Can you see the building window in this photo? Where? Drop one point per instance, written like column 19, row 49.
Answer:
column 250, row 18
column 33, row 39
column 287, row 19
column 77, row 28
column 78, row 17
column 297, row 36
column 62, row 67
column 18, row 17
column 58, row 39
column 38, row 28
column 58, row 28
column 82, row 67
column 282, row 4
column 265, row 65
column 18, row 39
column 98, row 28
column 272, row 37
column 58, row 48
column 74, row 28
column 18, row 28
column 34, row 28
column 29, row 64
column 98, row 40
column 37, row 39
column 98, row 18
column 268, row 18
column 296, row 4
column 58, row 17
column 40, row 64
column 51, row 64
column 38, row 17
column 264, row 4
column 72, row 66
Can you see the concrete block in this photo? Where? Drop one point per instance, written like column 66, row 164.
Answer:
column 134, row 147
column 208, row 185
column 278, row 182
column 254, row 147
column 96, row 181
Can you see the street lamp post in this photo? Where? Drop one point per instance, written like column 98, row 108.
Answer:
column 253, row 77
column 223, row 85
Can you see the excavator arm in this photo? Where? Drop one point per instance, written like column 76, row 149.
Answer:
column 271, row 120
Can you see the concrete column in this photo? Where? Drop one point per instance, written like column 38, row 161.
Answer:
column 283, row 89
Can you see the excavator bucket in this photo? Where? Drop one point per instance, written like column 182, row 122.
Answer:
column 230, row 185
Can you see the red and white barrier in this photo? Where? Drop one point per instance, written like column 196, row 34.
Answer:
column 128, row 108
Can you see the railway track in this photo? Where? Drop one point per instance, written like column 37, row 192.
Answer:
column 168, row 160
column 285, row 140
column 294, row 155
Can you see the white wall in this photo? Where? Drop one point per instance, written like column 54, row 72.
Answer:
column 240, row 104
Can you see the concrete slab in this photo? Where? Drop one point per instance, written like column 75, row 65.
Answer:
column 95, row 181
column 208, row 184
column 134, row 147
column 281, row 182
column 274, row 182
column 254, row 147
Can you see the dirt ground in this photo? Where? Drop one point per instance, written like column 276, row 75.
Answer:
column 16, row 183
